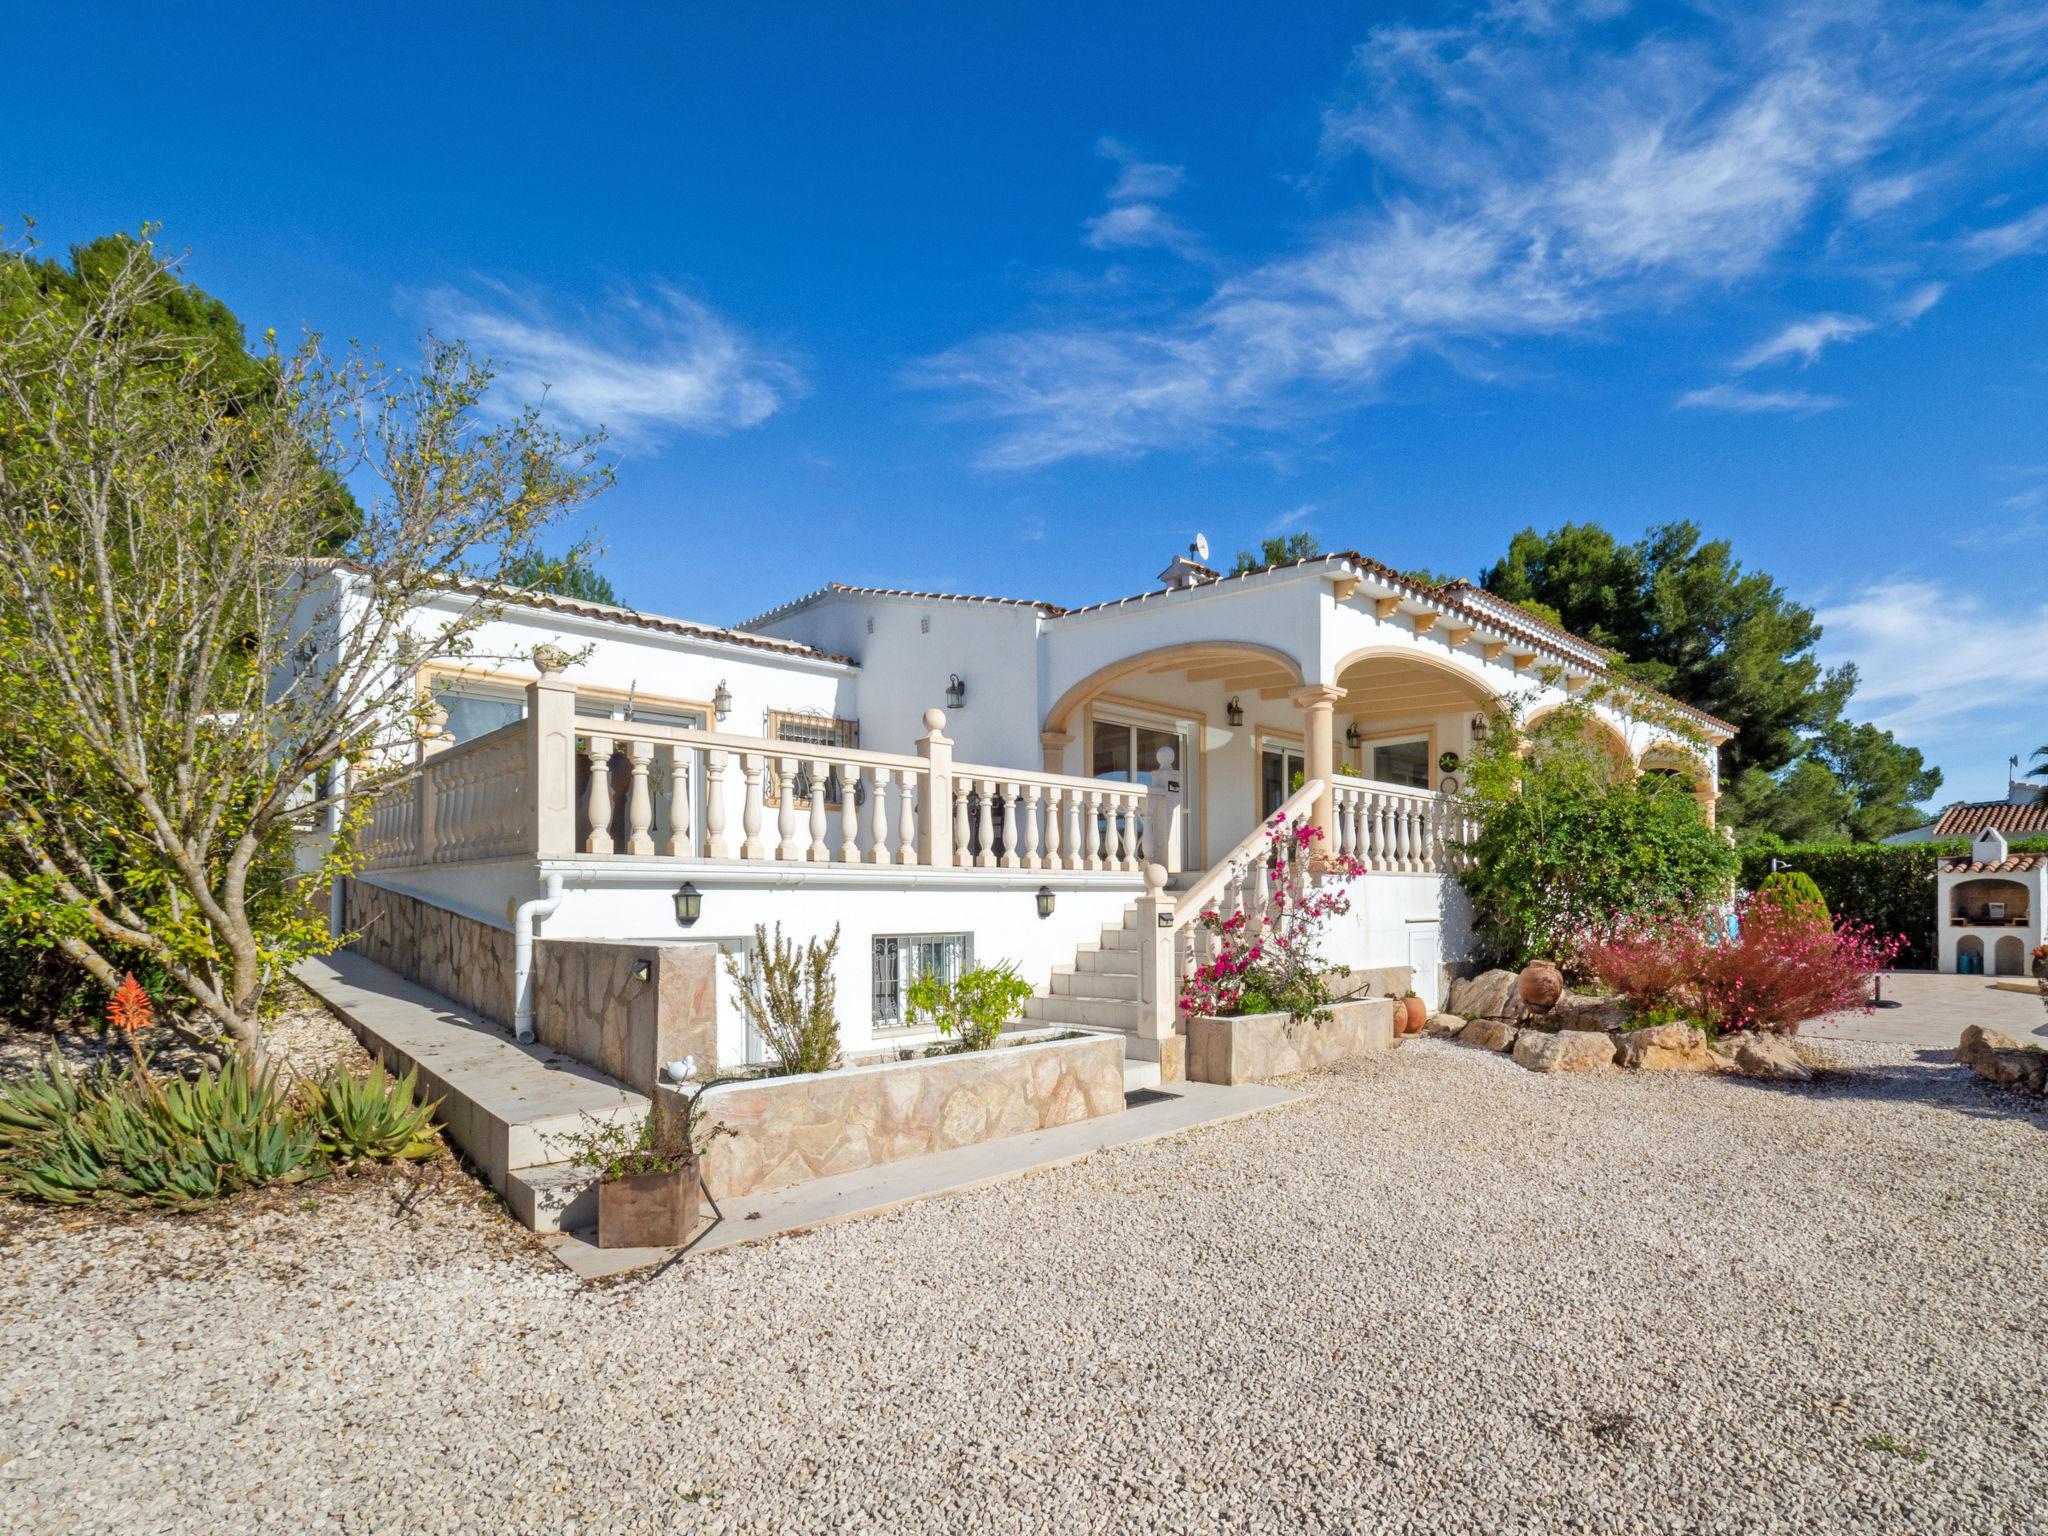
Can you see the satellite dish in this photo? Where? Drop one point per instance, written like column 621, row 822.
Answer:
column 1200, row 546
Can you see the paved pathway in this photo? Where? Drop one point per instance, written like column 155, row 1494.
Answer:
column 1933, row 1011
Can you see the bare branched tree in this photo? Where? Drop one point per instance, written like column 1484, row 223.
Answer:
column 180, row 671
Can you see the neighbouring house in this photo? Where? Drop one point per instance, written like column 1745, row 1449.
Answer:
column 951, row 779
column 2022, row 813
column 1992, row 906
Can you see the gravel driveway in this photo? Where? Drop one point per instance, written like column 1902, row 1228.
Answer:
column 1442, row 1294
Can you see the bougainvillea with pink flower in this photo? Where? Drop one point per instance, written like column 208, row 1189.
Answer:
column 1777, row 968
column 1272, row 963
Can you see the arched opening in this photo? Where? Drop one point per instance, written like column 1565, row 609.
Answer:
column 1680, row 761
column 2011, row 957
column 1597, row 733
column 1407, row 714
column 1215, row 704
column 1970, row 955
column 1989, row 904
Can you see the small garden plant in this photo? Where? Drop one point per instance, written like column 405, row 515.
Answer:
column 788, row 995
column 972, row 1009
column 1273, row 966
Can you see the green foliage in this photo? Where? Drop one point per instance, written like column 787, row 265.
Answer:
column 1794, row 892
column 1277, row 551
column 1889, row 887
column 975, row 1008
column 1566, row 839
column 1691, row 622
column 119, row 1134
column 372, row 1118
column 788, row 994
column 569, row 575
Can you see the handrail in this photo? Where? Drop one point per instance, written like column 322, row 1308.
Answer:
column 721, row 741
column 1188, row 904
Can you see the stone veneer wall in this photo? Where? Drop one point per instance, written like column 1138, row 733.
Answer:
column 459, row 957
column 589, row 1003
column 790, row 1129
column 1269, row 1045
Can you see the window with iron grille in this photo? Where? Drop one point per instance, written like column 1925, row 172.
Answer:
column 812, row 731
column 901, row 958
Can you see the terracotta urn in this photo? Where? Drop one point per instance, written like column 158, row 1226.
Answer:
column 1540, row 984
column 1415, row 1014
column 648, row 1210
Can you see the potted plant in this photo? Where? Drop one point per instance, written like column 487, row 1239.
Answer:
column 648, row 1185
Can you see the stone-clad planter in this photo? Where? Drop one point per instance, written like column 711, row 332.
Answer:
column 785, row 1130
column 1260, row 1046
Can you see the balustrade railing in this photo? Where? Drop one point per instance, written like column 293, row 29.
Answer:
column 469, row 802
column 1396, row 831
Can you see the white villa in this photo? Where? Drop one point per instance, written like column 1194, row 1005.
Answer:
column 951, row 779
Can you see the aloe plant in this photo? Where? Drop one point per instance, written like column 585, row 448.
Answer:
column 372, row 1117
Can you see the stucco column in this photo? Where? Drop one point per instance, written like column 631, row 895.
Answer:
column 550, row 755
column 1053, row 745
column 1318, row 704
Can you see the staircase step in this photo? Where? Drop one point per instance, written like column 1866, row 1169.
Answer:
column 1120, row 938
column 556, row 1197
column 1069, row 982
column 1106, row 962
column 1087, row 1012
column 1140, row 1074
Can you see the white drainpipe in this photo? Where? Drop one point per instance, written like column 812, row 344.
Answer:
column 529, row 913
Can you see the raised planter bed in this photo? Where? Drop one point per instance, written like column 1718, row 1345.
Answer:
column 1260, row 1046
column 785, row 1130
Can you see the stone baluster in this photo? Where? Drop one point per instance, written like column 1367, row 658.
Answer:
column 985, row 826
column 907, row 791
column 753, row 765
column 1091, row 830
column 1013, row 832
column 787, row 844
column 878, row 812
column 819, row 852
column 639, row 806
column 963, row 834
column 598, row 803
column 1024, row 816
column 714, row 805
column 1074, row 808
column 1382, row 833
column 1055, row 813
column 849, row 813
column 680, row 843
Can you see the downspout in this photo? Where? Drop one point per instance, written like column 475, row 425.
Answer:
column 529, row 913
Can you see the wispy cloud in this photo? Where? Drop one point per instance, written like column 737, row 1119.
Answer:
column 643, row 365
column 1929, row 654
column 2001, row 242
column 1804, row 339
column 1293, row 518
column 1520, row 184
column 1918, row 302
column 1135, row 216
column 1755, row 402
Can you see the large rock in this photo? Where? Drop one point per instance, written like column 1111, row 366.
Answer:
column 1488, row 996
column 1443, row 1026
column 1566, row 1051
column 1540, row 984
column 1573, row 1011
column 1488, row 1034
column 1664, row 1048
column 1772, row 1058
column 1999, row 1058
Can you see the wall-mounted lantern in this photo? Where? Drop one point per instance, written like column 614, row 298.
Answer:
column 956, row 692
column 689, row 905
column 721, row 701
column 1234, row 711
column 1478, row 727
column 1352, row 738
column 1045, row 900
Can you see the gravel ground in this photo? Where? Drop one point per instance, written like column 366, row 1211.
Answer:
column 305, row 1039
column 1443, row 1294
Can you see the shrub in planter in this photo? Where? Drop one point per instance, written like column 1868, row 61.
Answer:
column 974, row 1008
column 787, row 994
column 1272, row 966
column 1795, row 892
column 647, row 1173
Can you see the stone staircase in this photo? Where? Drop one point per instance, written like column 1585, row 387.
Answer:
column 1100, row 991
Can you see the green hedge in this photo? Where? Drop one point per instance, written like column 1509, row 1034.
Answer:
column 1889, row 886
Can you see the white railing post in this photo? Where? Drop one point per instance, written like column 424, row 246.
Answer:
column 935, row 810
column 550, row 756
column 818, row 853
column 1158, row 974
column 985, row 825
column 878, row 814
column 849, row 814
column 751, row 847
column 639, row 805
column 1165, row 806
column 786, row 844
column 714, row 805
column 1025, row 814
column 598, row 802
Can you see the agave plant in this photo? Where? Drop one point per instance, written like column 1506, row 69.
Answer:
column 372, row 1117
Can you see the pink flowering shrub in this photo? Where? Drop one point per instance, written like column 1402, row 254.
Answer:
column 1272, row 966
column 1779, row 969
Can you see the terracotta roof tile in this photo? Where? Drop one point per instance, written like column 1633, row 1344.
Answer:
column 1969, row 819
column 1047, row 610
column 2019, row 863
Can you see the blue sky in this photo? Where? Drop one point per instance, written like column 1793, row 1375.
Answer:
column 1017, row 299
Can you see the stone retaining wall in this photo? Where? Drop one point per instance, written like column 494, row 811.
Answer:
column 1262, row 1046
column 787, row 1130
column 589, row 1002
column 460, row 958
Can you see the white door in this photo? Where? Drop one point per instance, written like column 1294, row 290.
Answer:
column 1424, row 942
